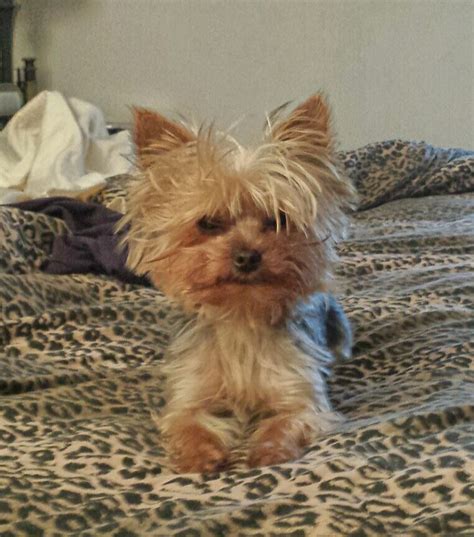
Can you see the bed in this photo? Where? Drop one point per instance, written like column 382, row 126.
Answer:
column 80, row 381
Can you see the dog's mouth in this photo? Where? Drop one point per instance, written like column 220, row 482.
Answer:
column 245, row 280
column 254, row 278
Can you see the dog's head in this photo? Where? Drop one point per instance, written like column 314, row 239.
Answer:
column 232, row 229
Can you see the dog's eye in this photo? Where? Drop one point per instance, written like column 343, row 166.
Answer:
column 210, row 226
column 270, row 224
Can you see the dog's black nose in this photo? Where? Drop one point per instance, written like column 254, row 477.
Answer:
column 246, row 260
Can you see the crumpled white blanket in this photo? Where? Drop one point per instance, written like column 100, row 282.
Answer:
column 57, row 145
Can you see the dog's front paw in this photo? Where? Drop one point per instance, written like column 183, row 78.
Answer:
column 276, row 440
column 273, row 452
column 196, row 449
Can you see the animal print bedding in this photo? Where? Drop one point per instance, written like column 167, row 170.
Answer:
column 81, row 384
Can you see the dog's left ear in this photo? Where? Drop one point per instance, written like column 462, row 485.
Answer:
column 154, row 134
column 307, row 139
column 309, row 123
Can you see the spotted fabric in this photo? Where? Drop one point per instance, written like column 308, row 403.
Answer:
column 81, row 383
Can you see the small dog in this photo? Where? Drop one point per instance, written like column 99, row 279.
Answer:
column 244, row 239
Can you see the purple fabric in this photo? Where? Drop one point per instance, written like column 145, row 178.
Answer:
column 92, row 244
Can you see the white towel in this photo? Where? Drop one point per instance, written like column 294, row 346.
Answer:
column 57, row 144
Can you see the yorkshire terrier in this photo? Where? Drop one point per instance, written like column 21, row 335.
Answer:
column 244, row 239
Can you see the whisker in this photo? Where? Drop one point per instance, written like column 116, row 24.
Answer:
column 161, row 257
column 316, row 241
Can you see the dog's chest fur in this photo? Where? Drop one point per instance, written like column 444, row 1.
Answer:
column 244, row 366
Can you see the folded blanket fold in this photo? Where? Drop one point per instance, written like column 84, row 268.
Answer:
column 54, row 144
column 92, row 246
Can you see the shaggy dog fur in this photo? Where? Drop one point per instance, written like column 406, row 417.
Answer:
column 241, row 238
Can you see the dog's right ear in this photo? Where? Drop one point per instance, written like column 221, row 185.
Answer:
column 154, row 134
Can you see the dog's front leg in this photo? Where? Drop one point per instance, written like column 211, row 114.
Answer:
column 198, row 440
column 283, row 435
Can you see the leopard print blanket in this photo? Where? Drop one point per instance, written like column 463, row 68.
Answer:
column 80, row 381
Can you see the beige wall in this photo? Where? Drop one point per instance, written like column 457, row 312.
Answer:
column 392, row 68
